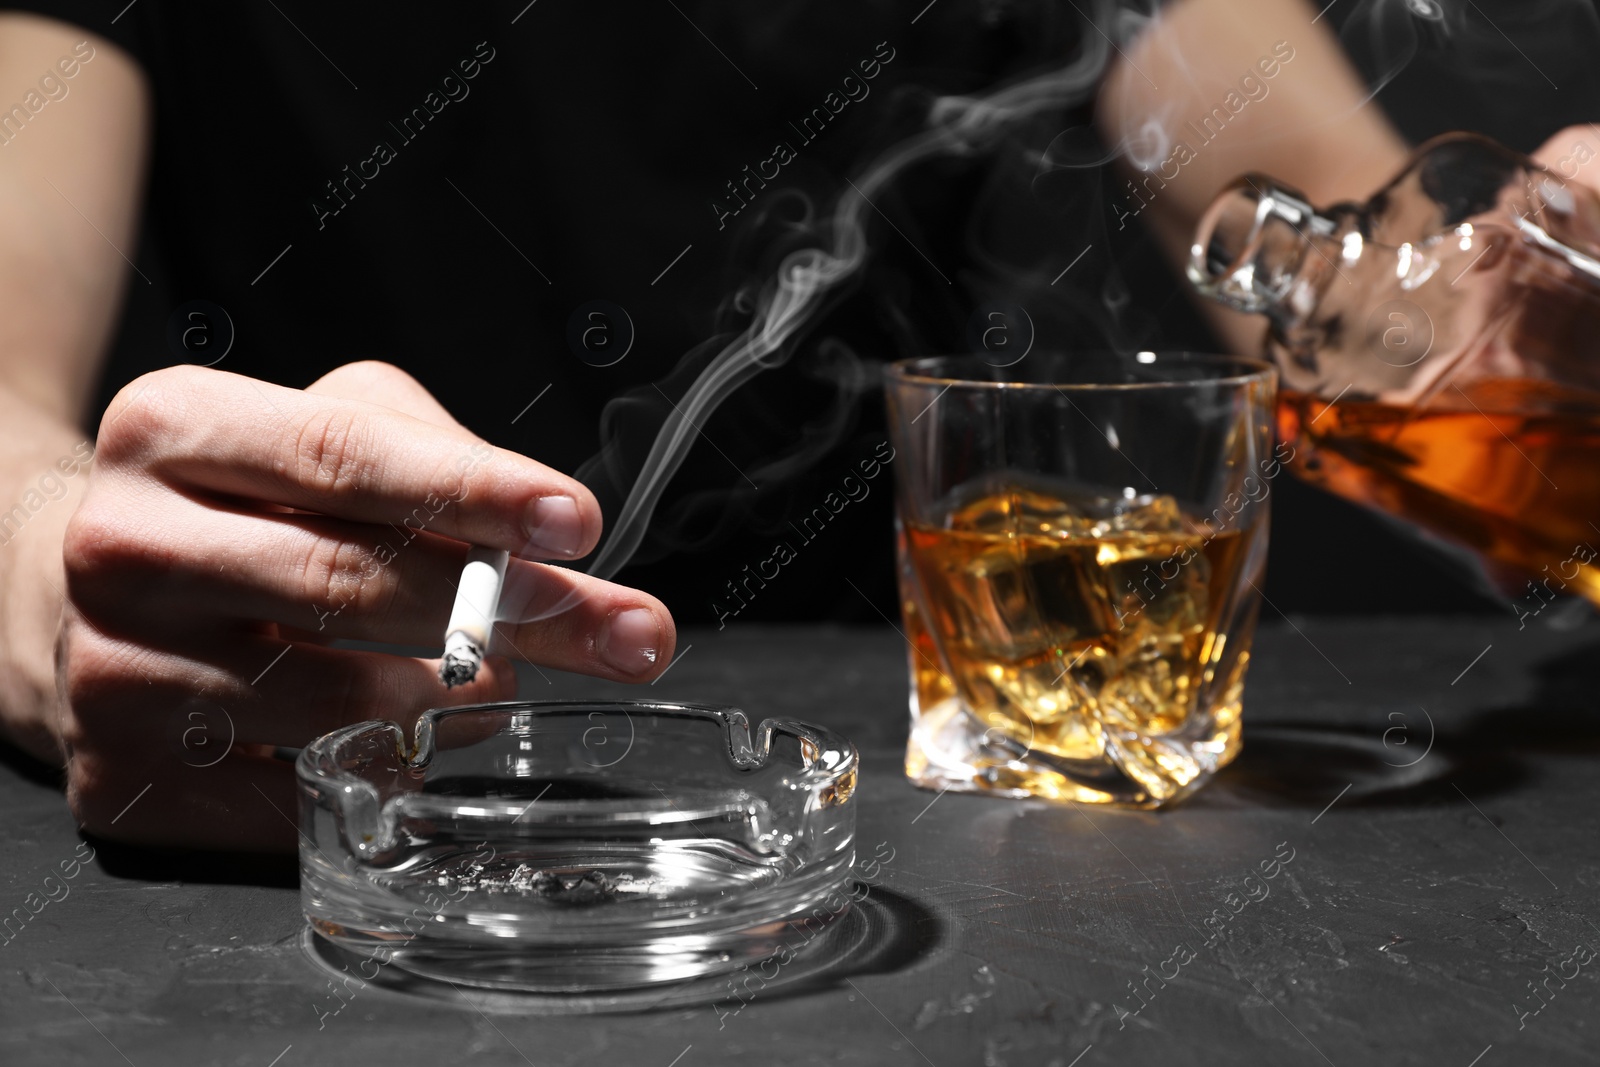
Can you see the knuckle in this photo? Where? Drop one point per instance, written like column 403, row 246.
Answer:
column 98, row 544
column 97, row 675
column 346, row 574
column 145, row 412
column 366, row 371
column 87, row 541
column 331, row 456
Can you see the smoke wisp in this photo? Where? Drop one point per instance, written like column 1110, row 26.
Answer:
column 790, row 302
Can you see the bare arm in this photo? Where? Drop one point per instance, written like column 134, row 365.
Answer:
column 70, row 183
column 1309, row 124
column 168, row 614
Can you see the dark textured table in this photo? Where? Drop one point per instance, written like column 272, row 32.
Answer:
column 1403, row 867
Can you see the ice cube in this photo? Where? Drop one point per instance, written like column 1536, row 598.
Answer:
column 1021, row 512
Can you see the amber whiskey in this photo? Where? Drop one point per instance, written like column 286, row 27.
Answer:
column 1506, row 468
column 1084, row 649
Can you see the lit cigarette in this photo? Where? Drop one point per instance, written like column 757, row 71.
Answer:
column 466, row 639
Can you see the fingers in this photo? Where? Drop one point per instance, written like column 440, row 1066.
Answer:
column 179, row 568
column 386, row 384
column 345, row 458
column 250, row 690
column 151, row 763
column 576, row 622
column 186, row 776
column 226, row 515
column 191, row 571
column 164, row 749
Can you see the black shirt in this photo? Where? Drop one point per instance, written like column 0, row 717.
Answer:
column 462, row 189
column 459, row 189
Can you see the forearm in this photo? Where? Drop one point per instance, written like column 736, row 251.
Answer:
column 69, row 188
column 44, row 469
column 1194, row 104
column 69, row 184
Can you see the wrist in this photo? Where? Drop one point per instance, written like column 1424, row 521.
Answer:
column 31, row 571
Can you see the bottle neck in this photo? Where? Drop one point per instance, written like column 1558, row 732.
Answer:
column 1262, row 248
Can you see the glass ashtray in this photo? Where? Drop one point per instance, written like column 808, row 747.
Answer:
column 582, row 855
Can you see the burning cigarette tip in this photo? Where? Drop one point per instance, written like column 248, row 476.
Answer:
column 472, row 618
column 461, row 662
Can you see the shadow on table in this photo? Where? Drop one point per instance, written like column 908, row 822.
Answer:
column 1421, row 759
column 145, row 864
column 900, row 931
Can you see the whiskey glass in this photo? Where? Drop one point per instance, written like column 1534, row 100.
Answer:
column 1081, row 539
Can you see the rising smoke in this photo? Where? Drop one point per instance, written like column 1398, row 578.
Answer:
column 829, row 248
column 787, row 304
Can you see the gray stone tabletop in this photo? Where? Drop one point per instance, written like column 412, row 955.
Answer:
column 1403, row 867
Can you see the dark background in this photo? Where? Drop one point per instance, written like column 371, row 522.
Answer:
column 586, row 156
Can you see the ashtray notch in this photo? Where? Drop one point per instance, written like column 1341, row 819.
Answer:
column 573, row 847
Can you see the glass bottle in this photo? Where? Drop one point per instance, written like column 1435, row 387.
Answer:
column 1439, row 350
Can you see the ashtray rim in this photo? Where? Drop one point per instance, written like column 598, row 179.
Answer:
column 366, row 847
column 827, row 758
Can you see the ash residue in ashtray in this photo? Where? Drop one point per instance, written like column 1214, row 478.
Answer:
column 567, row 887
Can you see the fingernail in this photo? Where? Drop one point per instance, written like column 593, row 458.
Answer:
column 631, row 641
column 555, row 526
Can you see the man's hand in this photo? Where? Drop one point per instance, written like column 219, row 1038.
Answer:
column 1196, row 77
column 1574, row 154
column 232, row 527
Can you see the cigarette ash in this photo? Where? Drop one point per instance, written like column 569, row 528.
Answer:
column 566, row 887
column 459, row 667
